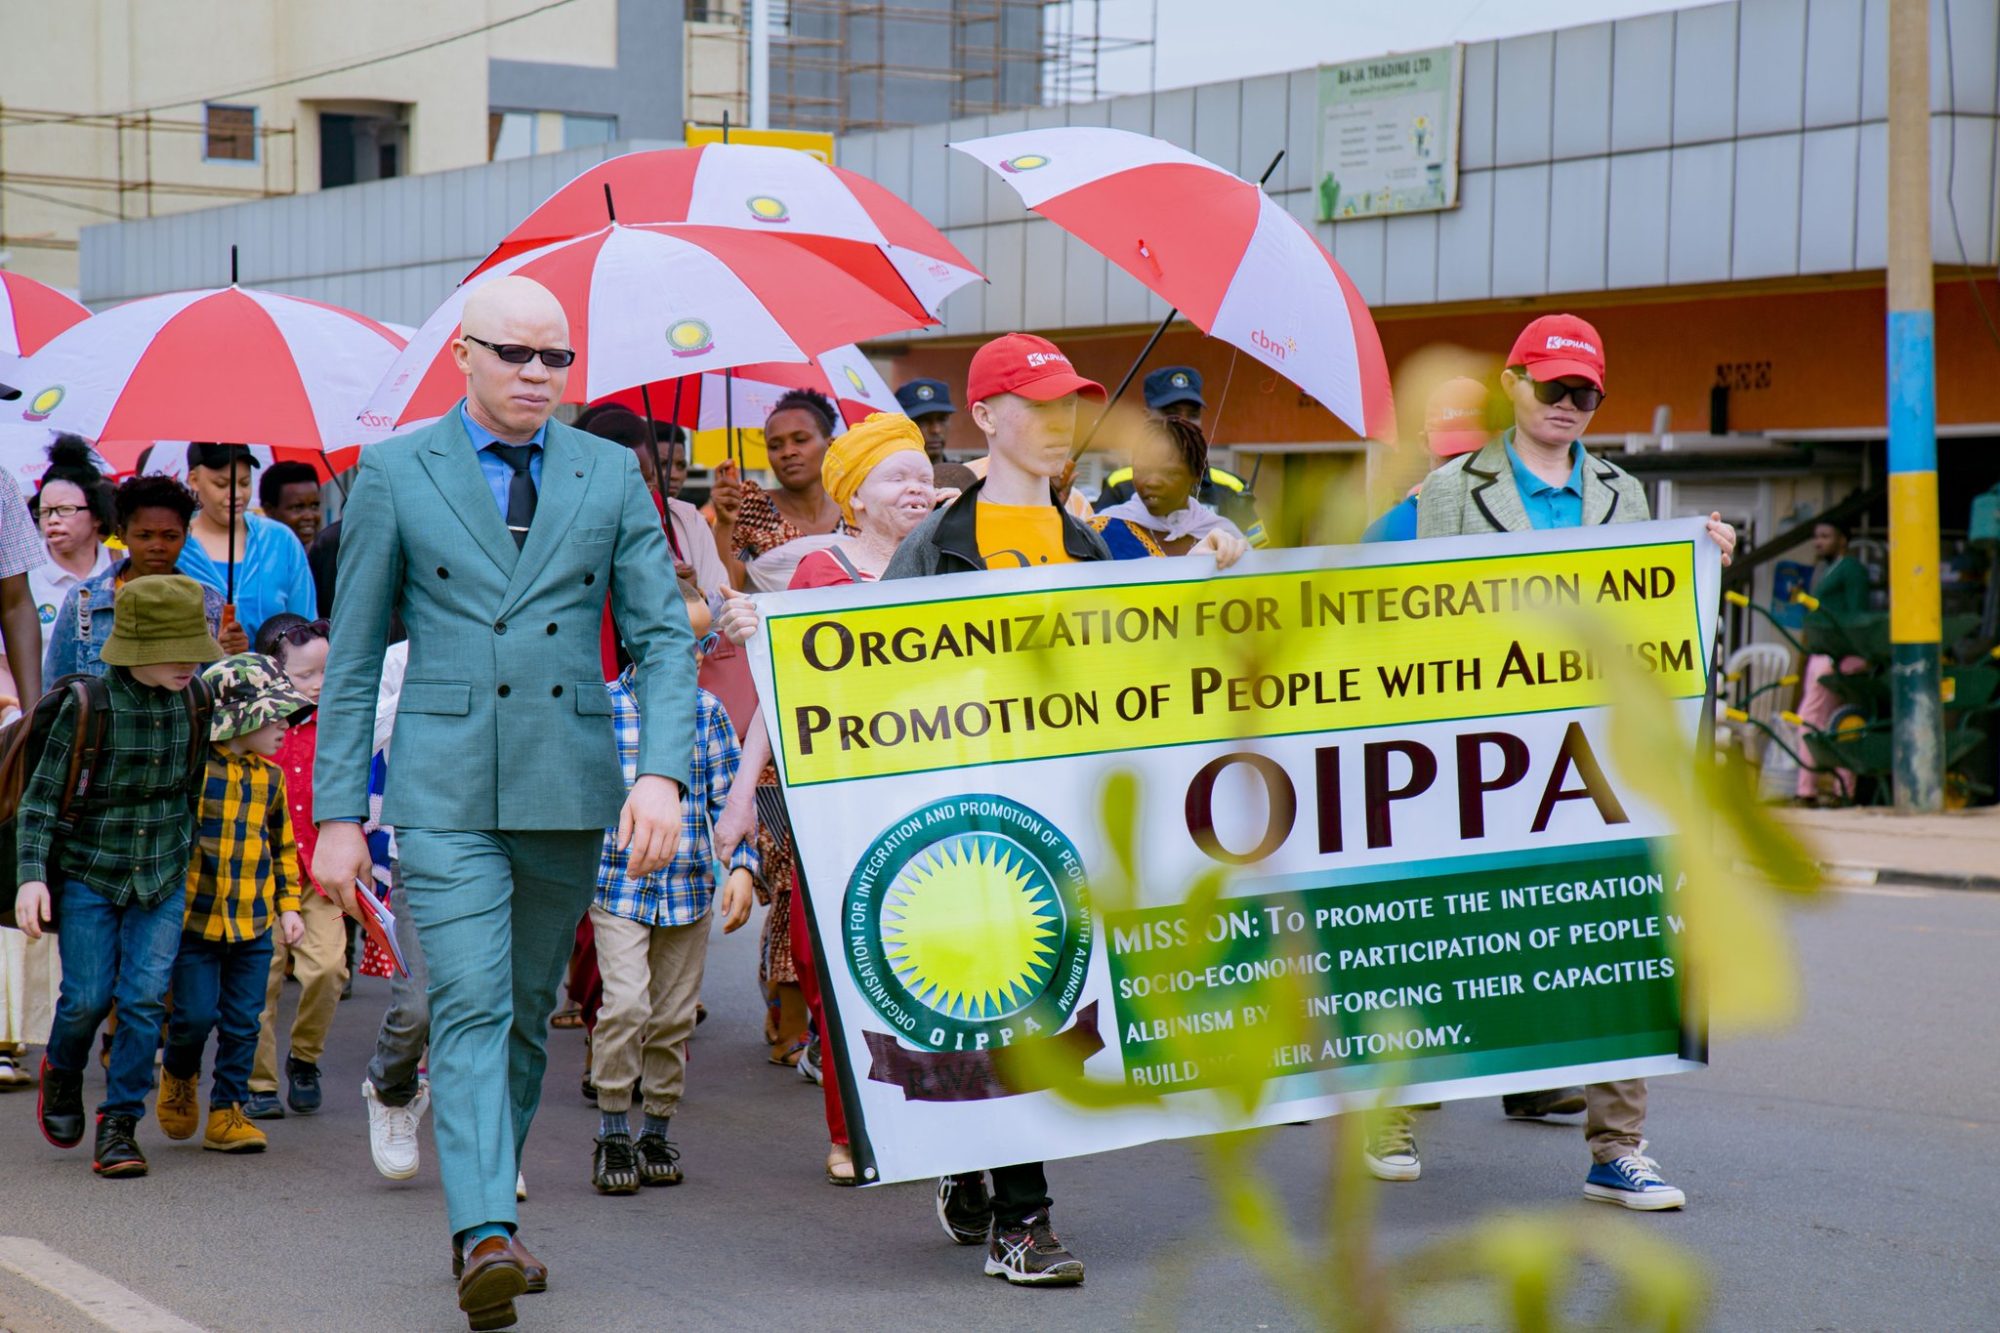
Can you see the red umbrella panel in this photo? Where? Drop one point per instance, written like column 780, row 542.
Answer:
column 698, row 402
column 31, row 313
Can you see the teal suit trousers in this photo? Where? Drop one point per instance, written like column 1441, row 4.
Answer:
column 497, row 914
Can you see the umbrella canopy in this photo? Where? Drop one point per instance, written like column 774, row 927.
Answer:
column 31, row 313
column 232, row 364
column 650, row 303
column 771, row 191
column 697, row 402
column 1213, row 244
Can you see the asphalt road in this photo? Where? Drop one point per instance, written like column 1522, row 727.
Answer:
column 1838, row 1177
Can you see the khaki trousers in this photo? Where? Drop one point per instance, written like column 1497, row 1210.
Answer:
column 319, row 960
column 652, row 975
column 1614, row 1118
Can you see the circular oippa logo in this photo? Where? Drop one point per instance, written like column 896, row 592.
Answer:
column 43, row 403
column 968, row 924
column 1024, row 162
column 689, row 337
column 854, row 379
column 767, row 208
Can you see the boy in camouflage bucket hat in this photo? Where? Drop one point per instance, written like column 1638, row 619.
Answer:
column 244, row 874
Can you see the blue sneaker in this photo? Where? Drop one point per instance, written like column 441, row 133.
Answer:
column 303, row 1092
column 263, row 1106
column 1632, row 1181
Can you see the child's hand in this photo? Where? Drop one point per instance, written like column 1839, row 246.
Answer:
column 293, row 925
column 736, row 899
column 31, row 908
column 231, row 638
column 739, row 617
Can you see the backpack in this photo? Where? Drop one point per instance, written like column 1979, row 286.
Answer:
column 23, row 741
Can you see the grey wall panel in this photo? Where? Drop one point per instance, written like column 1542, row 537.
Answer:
column 965, row 193
column 1771, row 77
column 1005, row 260
column 1044, row 117
column 1410, row 259
column 1042, row 276
column 1967, row 59
column 1088, row 113
column 1264, row 127
column 1962, row 157
column 1002, row 204
column 964, row 311
column 1173, row 118
column 1126, row 300
column 1871, row 186
column 1465, row 241
column 1636, row 239
column 1357, row 246
column 1827, row 199
column 1579, row 207
column 857, row 154
column 1699, row 213
column 1476, row 110
column 931, row 172
column 1300, row 169
column 1765, row 239
column 1875, row 60
column 1218, row 123
column 1704, row 74
column 892, row 162
column 1132, row 113
column 433, row 206
column 1833, row 62
column 1582, row 110
column 1522, row 86
column 1521, row 231
column 1083, row 279
column 1642, row 83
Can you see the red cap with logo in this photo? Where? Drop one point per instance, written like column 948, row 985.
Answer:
column 1558, row 346
column 1032, row 367
column 1455, row 418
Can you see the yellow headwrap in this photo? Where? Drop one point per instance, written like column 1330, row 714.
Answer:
column 852, row 456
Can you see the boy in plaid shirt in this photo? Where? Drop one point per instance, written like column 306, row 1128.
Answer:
column 652, row 940
column 243, row 879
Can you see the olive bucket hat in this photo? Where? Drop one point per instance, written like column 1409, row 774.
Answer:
column 250, row 690
column 159, row 618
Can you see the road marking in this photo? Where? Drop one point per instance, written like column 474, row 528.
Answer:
column 117, row 1308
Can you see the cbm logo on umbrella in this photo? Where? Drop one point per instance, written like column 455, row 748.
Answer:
column 42, row 404
column 768, row 208
column 1024, row 162
column 689, row 337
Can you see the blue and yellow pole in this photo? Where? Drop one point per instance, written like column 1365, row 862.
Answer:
column 1915, row 621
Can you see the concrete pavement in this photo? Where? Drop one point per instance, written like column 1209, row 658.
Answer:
column 1838, row 1177
column 1869, row 844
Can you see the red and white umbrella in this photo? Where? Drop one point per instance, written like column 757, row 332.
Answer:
column 772, row 191
column 651, row 303
column 698, row 402
column 232, row 364
column 31, row 313
column 1215, row 245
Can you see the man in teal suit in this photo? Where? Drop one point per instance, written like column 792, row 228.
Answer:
column 497, row 534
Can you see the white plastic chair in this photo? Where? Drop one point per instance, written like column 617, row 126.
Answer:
column 1747, row 673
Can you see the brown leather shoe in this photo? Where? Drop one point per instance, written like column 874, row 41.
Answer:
column 532, row 1268
column 493, row 1277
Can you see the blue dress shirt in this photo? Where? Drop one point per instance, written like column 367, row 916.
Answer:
column 1549, row 506
column 499, row 472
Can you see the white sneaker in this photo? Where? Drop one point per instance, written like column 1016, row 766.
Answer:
column 520, row 1187
column 1391, row 1150
column 392, row 1131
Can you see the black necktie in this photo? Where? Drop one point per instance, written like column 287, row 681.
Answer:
column 520, row 491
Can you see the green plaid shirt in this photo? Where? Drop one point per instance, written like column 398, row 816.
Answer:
column 134, row 833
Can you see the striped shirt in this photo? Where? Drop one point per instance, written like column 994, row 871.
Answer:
column 679, row 894
column 245, row 861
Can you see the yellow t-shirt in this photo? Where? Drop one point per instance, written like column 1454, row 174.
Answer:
column 1020, row 536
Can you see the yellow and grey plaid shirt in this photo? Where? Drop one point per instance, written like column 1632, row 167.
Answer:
column 244, row 870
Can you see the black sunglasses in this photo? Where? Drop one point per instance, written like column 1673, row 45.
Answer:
column 300, row 635
column 1583, row 397
column 514, row 354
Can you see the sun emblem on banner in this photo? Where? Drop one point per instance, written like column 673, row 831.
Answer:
column 1024, row 162
column 968, row 924
column 689, row 337
column 768, row 208
column 43, row 403
column 971, row 928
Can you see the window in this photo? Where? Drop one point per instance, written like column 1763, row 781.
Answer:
column 355, row 147
column 232, row 133
column 579, row 131
column 510, row 134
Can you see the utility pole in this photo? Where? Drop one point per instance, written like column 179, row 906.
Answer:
column 1915, row 619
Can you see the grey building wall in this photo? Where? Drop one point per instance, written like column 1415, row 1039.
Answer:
column 644, row 92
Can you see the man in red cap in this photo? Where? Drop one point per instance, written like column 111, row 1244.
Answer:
column 1537, row 476
column 1454, row 424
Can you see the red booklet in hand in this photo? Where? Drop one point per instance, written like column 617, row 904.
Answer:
column 380, row 924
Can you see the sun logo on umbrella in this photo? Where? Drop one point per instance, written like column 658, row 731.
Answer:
column 689, row 337
column 854, row 379
column 43, row 403
column 971, row 928
column 1025, row 162
column 767, row 208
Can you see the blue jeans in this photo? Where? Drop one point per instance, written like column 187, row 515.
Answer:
column 219, row 987
column 114, row 953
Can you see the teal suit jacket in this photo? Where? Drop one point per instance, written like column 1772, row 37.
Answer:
column 503, row 722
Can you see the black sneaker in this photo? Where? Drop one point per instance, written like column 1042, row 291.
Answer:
column 659, row 1160
column 302, row 1085
column 614, row 1169
column 60, row 1106
column 1535, row 1105
column 1029, row 1255
column 118, row 1147
column 965, row 1209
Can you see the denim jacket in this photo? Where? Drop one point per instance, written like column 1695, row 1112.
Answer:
column 84, row 623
